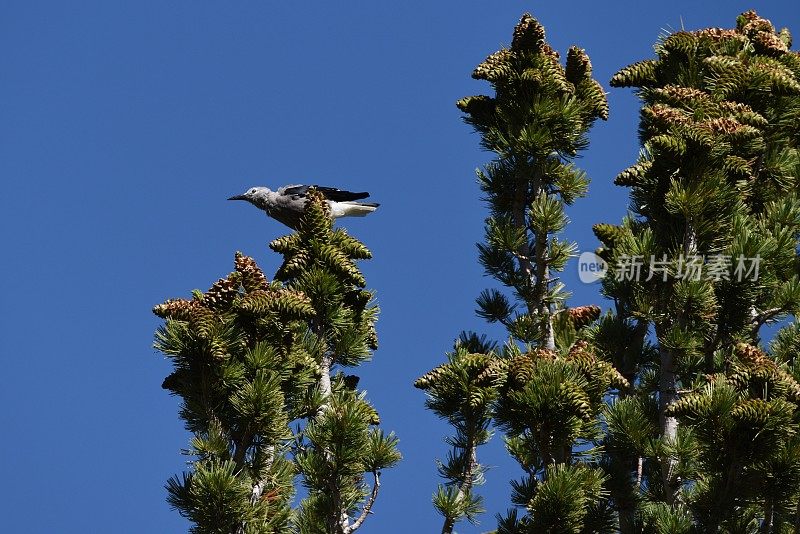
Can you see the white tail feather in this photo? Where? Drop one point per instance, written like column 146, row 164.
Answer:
column 351, row 209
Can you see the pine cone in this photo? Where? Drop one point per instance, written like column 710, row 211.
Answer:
column 528, row 34
column 495, row 67
column 222, row 293
column 252, row 276
column 579, row 66
column 178, row 309
column 583, row 315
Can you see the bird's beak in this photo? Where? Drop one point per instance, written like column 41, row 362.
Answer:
column 238, row 197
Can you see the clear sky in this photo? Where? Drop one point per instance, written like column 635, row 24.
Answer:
column 124, row 126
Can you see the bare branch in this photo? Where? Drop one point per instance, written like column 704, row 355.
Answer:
column 759, row 319
column 368, row 506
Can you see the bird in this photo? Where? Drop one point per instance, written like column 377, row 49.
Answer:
column 286, row 205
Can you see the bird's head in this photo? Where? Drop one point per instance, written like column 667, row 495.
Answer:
column 255, row 195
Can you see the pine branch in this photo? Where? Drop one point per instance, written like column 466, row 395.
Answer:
column 258, row 486
column 465, row 487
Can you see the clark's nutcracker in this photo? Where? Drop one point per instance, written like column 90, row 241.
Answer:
column 287, row 204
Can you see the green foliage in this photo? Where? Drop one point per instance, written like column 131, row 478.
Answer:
column 217, row 500
column 568, row 501
column 693, row 448
column 338, row 447
column 461, row 393
column 242, row 377
column 545, row 393
column 536, row 123
column 253, row 358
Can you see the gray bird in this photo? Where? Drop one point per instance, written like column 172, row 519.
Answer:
column 287, row 204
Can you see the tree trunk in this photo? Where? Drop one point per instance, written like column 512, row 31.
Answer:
column 521, row 224
column 668, row 383
column 667, row 395
column 325, row 378
column 536, row 272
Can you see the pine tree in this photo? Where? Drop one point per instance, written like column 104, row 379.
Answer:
column 706, row 438
column 545, row 387
column 253, row 358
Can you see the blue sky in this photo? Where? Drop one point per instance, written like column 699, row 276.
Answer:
column 124, row 126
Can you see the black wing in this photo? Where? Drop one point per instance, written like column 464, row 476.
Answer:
column 331, row 193
column 292, row 190
column 337, row 195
